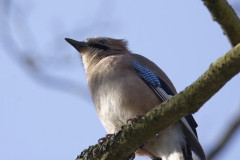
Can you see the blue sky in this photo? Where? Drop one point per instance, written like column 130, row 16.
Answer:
column 57, row 120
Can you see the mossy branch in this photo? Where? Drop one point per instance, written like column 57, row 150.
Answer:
column 223, row 13
column 131, row 137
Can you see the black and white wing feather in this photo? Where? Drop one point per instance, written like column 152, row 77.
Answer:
column 163, row 91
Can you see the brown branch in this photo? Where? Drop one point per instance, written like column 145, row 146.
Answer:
column 225, row 139
column 223, row 13
column 163, row 115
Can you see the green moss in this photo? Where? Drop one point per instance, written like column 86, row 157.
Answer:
column 223, row 13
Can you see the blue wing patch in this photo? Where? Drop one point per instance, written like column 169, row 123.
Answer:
column 162, row 90
column 146, row 74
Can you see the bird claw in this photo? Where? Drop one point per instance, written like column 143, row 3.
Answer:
column 131, row 120
column 102, row 140
column 109, row 135
column 135, row 119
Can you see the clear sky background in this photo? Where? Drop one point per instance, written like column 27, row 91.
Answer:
column 45, row 109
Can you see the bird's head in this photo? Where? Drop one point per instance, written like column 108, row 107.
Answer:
column 92, row 50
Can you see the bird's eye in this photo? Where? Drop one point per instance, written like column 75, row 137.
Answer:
column 103, row 41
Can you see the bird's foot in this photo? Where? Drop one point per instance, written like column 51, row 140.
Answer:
column 134, row 120
column 102, row 140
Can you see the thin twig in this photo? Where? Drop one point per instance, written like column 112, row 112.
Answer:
column 225, row 139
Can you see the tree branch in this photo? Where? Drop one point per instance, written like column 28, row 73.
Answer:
column 121, row 145
column 223, row 13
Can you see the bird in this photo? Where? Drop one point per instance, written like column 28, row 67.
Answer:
column 123, row 85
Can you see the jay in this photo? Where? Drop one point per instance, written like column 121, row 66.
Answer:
column 123, row 84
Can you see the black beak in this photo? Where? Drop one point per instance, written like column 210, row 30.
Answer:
column 76, row 44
